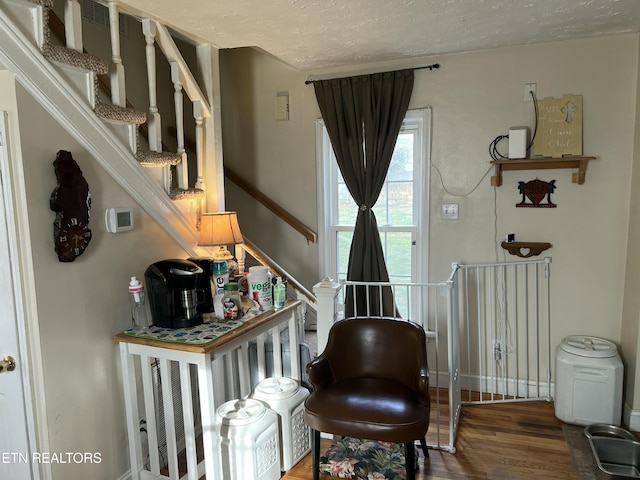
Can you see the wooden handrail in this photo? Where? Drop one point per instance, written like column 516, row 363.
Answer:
column 264, row 259
column 253, row 192
column 296, row 224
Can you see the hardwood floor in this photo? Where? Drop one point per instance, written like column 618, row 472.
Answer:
column 501, row 441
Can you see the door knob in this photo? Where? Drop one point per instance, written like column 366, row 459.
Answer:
column 7, row 364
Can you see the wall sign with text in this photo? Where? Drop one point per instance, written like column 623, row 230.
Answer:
column 559, row 126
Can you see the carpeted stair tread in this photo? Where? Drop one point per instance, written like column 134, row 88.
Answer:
column 188, row 194
column 69, row 56
column 158, row 159
column 114, row 113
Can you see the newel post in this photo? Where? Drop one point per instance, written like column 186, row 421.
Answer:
column 326, row 293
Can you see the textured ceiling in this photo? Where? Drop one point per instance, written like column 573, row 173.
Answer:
column 317, row 34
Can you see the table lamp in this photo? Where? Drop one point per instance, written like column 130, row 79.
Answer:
column 220, row 229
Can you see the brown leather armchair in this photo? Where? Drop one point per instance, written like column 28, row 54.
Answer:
column 371, row 382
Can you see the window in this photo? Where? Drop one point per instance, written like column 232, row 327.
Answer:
column 401, row 210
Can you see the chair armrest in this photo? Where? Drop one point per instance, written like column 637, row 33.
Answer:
column 319, row 372
column 422, row 387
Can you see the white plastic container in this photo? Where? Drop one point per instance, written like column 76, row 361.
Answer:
column 260, row 287
column 284, row 396
column 249, row 440
column 589, row 378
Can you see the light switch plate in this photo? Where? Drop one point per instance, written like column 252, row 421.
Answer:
column 282, row 107
column 450, row 211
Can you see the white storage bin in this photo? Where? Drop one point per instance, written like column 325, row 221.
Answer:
column 249, row 440
column 286, row 398
column 589, row 377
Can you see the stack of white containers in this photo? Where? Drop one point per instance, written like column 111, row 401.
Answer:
column 264, row 435
column 284, row 396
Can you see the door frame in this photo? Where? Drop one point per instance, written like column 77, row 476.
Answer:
column 24, row 287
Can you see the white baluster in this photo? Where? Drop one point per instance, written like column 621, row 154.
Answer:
column 294, row 345
column 183, row 168
column 188, row 421
column 240, row 255
column 198, row 115
column 118, row 91
column 169, row 417
column 73, row 24
column 277, row 352
column 150, row 413
column 261, row 354
column 154, row 122
column 244, row 370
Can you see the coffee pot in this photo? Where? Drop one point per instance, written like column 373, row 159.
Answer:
column 173, row 293
column 204, row 282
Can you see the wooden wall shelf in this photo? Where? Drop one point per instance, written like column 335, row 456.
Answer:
column 541, row 164
column 525, row 249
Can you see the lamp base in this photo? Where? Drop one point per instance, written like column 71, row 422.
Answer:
column 222, row 254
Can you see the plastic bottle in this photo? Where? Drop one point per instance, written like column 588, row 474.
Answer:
column 220, row 277
column 279, row 294
column 260, row 287
column 231, row 302
column 139, row 316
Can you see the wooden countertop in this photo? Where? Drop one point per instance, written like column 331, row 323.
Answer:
column 248, row 326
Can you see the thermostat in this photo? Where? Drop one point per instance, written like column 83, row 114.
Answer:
column 118, row 219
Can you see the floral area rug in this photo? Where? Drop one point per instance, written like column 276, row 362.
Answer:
column 364, row 460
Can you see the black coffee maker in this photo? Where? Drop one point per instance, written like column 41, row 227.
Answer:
column 173, row 293
column 204, row 282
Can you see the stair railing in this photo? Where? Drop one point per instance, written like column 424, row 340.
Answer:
column 183, row 79
column 183, row 82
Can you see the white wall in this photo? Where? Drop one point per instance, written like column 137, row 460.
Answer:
column 277, row 157
column 475, row 97
column 82, row 304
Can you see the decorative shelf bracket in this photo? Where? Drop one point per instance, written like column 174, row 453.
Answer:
column 525, row 249
column 542, row 164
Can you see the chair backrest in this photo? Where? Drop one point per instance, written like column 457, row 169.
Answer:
column 376, row 348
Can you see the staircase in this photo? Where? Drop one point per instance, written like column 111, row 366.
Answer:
column 67, row 83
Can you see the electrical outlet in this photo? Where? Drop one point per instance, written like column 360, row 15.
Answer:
column 529, row 88
column 497, row 350
column 449, row 211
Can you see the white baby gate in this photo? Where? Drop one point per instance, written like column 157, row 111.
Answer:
column 487, row 332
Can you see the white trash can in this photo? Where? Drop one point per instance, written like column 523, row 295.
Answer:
column 286, row 398
column 589, row 378
column 249, row 440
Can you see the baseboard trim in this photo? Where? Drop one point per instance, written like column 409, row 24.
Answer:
column 631, row 418
column 125, row 476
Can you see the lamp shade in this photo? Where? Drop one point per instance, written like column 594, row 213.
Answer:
column 219, row 229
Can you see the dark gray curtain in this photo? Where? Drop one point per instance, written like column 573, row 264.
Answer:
column 363, row 116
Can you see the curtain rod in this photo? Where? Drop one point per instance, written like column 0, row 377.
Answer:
column 430, row 67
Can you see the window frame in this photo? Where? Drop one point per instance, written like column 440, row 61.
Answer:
column 327, row 172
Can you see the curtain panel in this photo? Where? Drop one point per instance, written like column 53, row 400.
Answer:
column 363, row 116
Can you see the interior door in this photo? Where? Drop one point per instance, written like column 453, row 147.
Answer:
column 16, row 458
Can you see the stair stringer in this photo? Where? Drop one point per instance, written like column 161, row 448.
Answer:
column 41, row 79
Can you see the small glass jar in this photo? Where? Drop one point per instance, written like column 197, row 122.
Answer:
column 231, row 302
